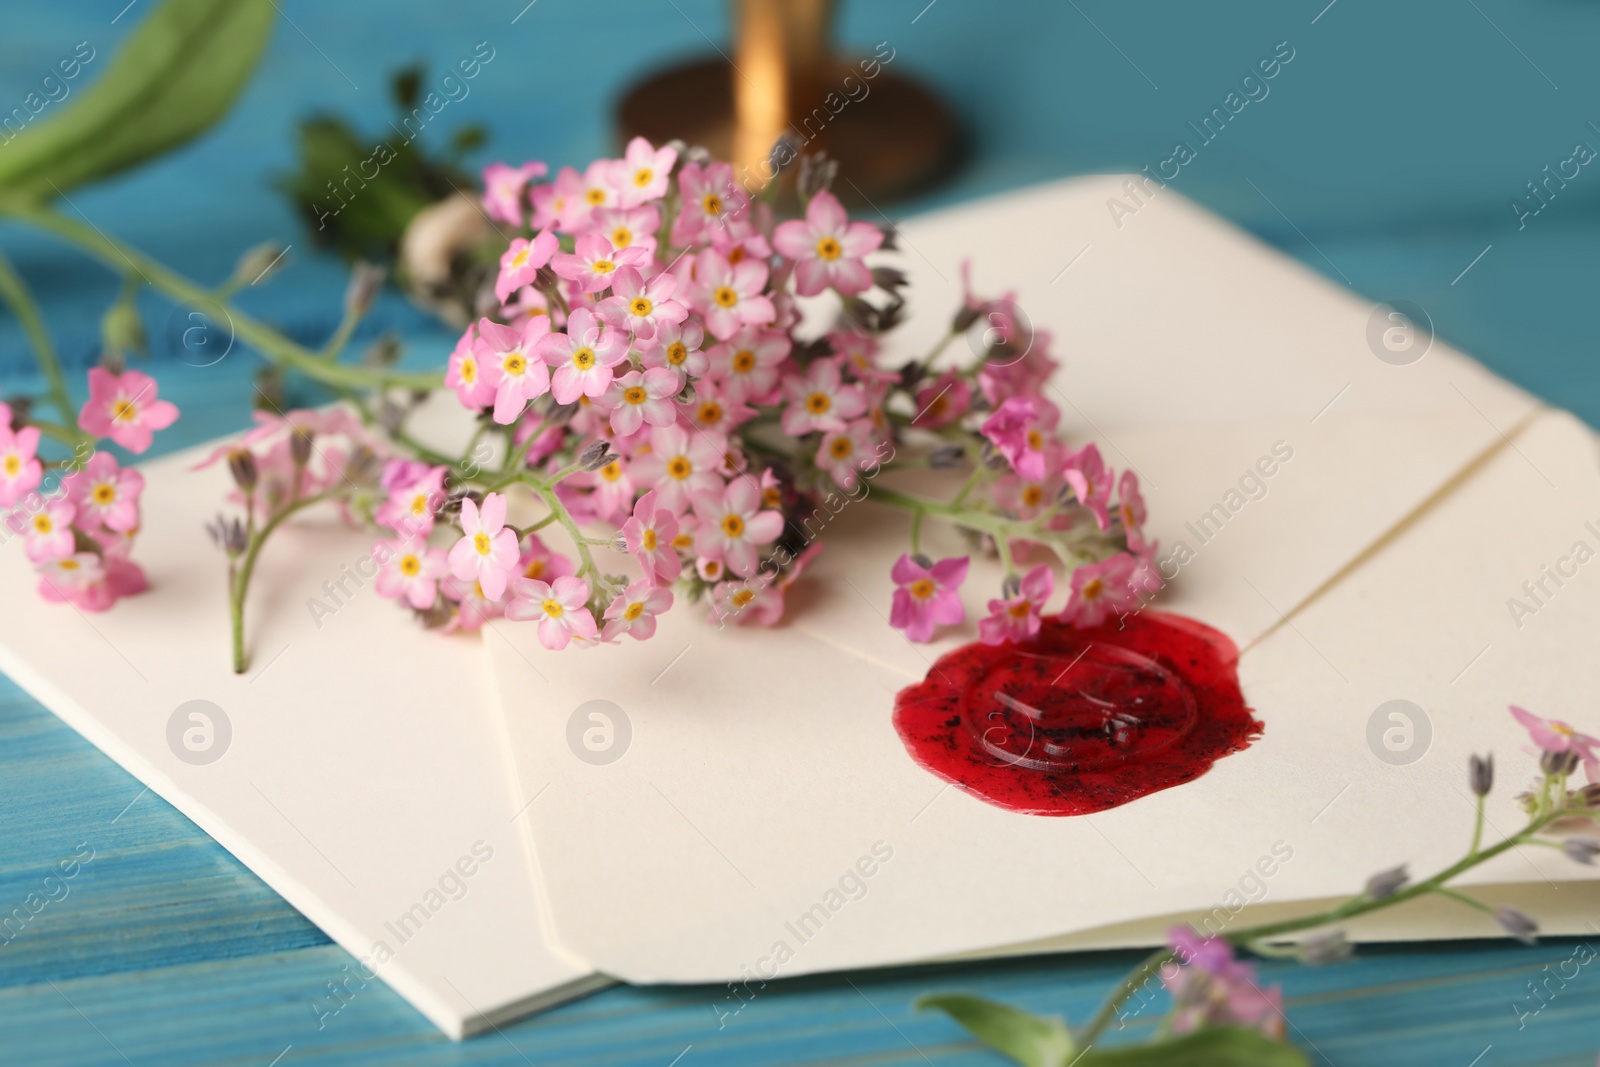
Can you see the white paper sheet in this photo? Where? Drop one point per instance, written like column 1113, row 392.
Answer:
column 364, row 778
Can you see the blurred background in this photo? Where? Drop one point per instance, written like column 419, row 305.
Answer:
column 1387, row 155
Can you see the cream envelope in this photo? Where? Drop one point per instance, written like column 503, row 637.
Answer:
column 357, row 768
column 763, row 816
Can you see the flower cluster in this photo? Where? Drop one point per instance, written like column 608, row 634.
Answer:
column 646, row 369
column 78, row 531
column 1220, row 1012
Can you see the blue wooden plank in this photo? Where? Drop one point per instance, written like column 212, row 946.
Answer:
column 1423, row 1005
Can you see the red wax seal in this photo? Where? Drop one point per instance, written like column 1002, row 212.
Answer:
column 1074, row 721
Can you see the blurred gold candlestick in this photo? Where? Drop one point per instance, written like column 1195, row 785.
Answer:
column 889, row 135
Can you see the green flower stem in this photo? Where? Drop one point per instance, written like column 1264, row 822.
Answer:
column 1358, row 905
column 241, row 585
column 64, row 434
column 547, row 493
column 1477, row 827
column 15, row 292
column 269, row 342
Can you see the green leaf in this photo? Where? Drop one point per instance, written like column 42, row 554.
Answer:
column 1215, row 1047
column 1031, row 1040
column 174, row 77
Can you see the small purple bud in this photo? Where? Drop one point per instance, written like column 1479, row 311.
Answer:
column 1581, row 850
column 1387, row 883
column 1480, row 774
column 1516, row 924
column 242, row 465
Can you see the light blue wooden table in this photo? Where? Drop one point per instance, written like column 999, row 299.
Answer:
column 1386, row 157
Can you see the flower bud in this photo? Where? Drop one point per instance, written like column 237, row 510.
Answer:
column 785, row 150
column 229, row 535
column 1387, row 883
column 384, row 352
column 1581, row 850
column 1325, row 948
column 300, row 445
column 817, row 172
column 1516, row 924
column 1010, row 587
column 1480, row 774
column 947, row 457
column 365, row 281
column 1589, row 795
column 595, row 456
column 259, row 263
column 965, row 318
column 1559, row 764
column 242, row 465
column 888, row 278
column 922, row 561
column 121, row 329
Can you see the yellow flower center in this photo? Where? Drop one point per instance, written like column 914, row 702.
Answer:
column 677, row 352
column 68, row 564
column 583, row 358
column 710, row 412
column 634, row 610
column 519, row 260
column 711, row 203
column 534, row 569
column 104, row 493
column 603, row 266
column 42, row 524
column 469, row 370
column 641, row 306
column 841, row 448
column 611, row 471
column 922, row 588
column 725, row 297
column 552, row 607
column 1092, row 589
column 682, row 541
column 680, row 467
column 635, row 394
column 481, row 542
column 744, row 361
column 643, row 176
column 649, row 541
column 1035, row 442
column 819, row 403
column 514, row 364
column 13, row 464
column 1561, row 728
column 742, row 597
column 124, row 411
column 1127, row 517
column 713, row 569
column 410, row 566
column 1020, row 609
column 1032, row 494
column 829, row 248
column 621, row 237
column 595, row 196
column 419, row 504
column 772, row 496
column 733, row 525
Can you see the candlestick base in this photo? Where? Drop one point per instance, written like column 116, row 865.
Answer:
column 897, row 139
